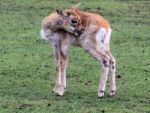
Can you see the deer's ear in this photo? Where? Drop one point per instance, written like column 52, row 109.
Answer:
column 60, row 12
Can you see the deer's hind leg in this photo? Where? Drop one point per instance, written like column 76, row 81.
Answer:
column 103, row 59
column 108, row 64
column 104, row 74
column 112, row 68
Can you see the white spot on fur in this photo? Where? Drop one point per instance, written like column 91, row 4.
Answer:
column 107, row 37
column 103, row 38
column 100, row 36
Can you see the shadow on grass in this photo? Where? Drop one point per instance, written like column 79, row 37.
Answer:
column 89, row 97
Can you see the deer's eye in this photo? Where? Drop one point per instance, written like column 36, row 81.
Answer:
column 68, row 14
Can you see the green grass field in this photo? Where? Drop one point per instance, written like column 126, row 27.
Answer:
column 27, row 72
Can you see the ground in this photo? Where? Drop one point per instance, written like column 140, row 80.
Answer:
column 27, row 72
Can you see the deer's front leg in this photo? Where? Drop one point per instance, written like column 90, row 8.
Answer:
column 58, row 89
column 64, row 62
column 61, row 65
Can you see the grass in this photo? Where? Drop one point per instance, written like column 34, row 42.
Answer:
column 26, row 62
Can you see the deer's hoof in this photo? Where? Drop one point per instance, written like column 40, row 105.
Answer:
column 59, row 90
column 112, row 93
column 100, row 94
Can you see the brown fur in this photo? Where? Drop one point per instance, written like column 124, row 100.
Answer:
column 92, row 41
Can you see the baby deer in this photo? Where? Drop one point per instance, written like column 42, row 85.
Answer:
column 87, row 30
